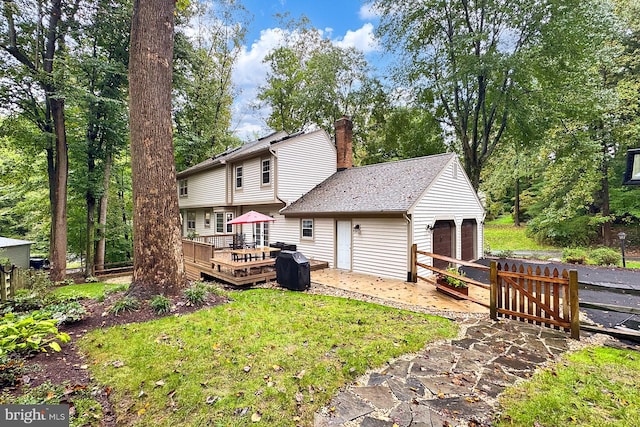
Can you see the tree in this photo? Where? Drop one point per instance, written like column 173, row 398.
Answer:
column 468, row 62
column 158, row 264
column 203, row 86
column 99, row 64
column 32, row 36
column 312, row 83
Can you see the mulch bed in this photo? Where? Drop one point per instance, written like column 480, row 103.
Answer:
column 69, row 366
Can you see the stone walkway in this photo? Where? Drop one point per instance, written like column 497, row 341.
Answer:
column 451, row 383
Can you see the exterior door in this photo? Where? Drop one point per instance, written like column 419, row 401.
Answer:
column 469, row 239
column 443, row 242
column 343, row 245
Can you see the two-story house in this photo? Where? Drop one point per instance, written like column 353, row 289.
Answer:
column 264, row 175
column 361, row 219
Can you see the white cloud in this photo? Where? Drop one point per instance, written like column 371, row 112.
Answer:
column 250, row 73
column 362, row 39
column 367, row 12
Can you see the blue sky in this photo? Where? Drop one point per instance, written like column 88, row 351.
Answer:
column 346, row 22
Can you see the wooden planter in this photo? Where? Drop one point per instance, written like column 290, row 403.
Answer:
column 443, row 286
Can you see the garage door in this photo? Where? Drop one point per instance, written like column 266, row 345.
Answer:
column 469, row 239
column 443, row 242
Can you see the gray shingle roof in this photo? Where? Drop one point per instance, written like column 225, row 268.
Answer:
column 234, row 153
column 381, row 188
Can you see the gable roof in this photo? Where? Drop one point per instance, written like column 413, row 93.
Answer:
column 381, row 188
column 6, row 242
column 247, row 149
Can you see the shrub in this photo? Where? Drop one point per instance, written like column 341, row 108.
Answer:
column 26, row 334
column 605, row 256
column 160, row 304
column 196, row 293
column 24, row 300
column 66, row 312
column 124, row 304
column 574, row 255
column 577, row 231
column 11, row 368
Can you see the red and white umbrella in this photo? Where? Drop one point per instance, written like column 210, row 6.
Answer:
column 252, row 217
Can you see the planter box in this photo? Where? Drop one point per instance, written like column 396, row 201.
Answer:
column 443, row 286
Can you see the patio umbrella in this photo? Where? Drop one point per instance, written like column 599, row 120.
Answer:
column 252, row 217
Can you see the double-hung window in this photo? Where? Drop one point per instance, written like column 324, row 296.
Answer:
column 191, row 220
column 238, row 176
column 183, row 189
column 307, row 228
column 266, row 172
column 207, row 219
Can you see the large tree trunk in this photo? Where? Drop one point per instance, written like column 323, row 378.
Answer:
column 516, row 204
column 89, row 269
column 158, row 264
column 101, row 245
column 605, row 208
column 58, row 245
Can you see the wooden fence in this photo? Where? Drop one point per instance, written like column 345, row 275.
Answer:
column 544, row 297
column 12, row 278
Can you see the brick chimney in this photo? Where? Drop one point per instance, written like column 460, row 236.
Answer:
column 344, row 143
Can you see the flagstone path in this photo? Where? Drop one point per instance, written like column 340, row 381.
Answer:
column 452, row 383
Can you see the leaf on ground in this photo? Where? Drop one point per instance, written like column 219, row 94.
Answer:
column 210, row 400
column 247, row 368
column 256, row 417
column 440, row 395
column 277, row 368
column 141, row 394
column 299, row 397
column 50, row 395
column 159, row 383
column 300, row 374
column 117, row 363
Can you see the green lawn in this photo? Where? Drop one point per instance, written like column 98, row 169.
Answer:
column 88, row 290
column 269, row 355
column 502, row 235
column 594, row 387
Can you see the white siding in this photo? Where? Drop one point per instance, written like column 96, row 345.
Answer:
column 380, row 247
column 205, row 189
column 322, row 247
column 252, row 190
column 285, row 230
column 200, row 229
column 450, row 197
column 302, row 163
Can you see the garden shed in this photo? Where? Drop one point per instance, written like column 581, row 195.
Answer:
column 17, row 251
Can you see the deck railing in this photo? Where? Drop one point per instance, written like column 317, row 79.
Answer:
column 218, row 241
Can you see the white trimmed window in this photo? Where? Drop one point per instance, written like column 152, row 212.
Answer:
column 183, row 189
column 207, row 219
column 307, row 228
column 229, row 217
column 238, row 176
column 191, row 220
column 266, row 172
column 219, row 218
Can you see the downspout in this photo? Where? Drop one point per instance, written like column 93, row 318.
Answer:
column 409, row 245
column 275, row 180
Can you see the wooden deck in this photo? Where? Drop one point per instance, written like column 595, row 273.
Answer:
column 203, row 260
